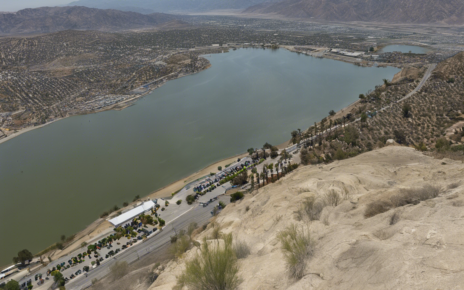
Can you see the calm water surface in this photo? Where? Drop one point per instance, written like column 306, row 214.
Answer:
column 57, row 179
column 405, row 49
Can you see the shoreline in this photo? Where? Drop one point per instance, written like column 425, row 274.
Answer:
column 117, row 107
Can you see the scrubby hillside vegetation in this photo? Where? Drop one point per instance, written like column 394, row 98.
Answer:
column 388, row 219
column 431, row 120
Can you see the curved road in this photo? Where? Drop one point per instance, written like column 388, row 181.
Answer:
column 426, row 76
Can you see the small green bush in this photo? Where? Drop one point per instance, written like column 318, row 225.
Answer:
column 215, row 268
column 179, row 202
column 297, row 248
column 236, row 196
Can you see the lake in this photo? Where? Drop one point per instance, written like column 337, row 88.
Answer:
column 58, row 179
column 404, row 49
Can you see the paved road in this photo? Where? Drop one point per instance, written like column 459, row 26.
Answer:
column 199, row 214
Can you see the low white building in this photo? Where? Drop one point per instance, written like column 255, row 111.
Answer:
column 127, row 216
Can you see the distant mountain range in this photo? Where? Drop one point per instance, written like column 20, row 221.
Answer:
column 170, row 6
column 388, row 11
column 51, row 19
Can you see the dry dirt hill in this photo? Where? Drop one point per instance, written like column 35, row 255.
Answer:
column 390, row 11
column 51, row 19
column 420, row 248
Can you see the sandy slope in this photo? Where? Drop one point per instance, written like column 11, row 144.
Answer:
column 423, row 250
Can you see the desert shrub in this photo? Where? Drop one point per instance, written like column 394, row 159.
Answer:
column 377, row 207
column 332, row 198
column 351, row 135
column 179, row 202
column 216, row 233
column 236, row 196
column 214, row 268
column 192, row 226
column 394, row 218
column 312, row 208
column 181, row 246
column 415, row 195
column 340, row 154
column 442, row 144
column 457, row 203
column 119, row 270
column 297, row 248
column 454, row 185
column 400, row 138
column 241, row 249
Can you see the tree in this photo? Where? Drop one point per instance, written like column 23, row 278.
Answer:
column 386, row 82
column 294, row 136
column 12, row 285
column 332, row 113
column 363, row 118
column 251, row 151
column 219, row 168
column 267, row 146
column 23, row 256
column 406, row 110
column 400, row 137
column 190, row 198
column 63, row 237
column 58, row 278
column 362, row 97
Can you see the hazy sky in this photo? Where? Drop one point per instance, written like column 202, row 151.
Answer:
column 15, row 5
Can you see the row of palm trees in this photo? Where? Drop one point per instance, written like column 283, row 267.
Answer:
column 267, row 171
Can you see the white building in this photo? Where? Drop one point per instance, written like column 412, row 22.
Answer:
column 130, row 214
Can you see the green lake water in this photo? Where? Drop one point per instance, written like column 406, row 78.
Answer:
column 58, row 179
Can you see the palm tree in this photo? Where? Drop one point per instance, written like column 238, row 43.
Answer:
column 271, row 168
column 257, row 177
column 263, row 175
column 252, row 180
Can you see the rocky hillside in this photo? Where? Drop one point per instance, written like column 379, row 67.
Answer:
column 389, row 11
column 414, row 246
column 52, row 19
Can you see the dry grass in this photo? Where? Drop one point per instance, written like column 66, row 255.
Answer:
column 377, row 207
column 457, row 203
column 454, row 185
column 214, row 268
column 119, row 270
column 332, row 198
column 384, row 234
column 297, row 248
column 415, row 195
column 242, row 250
column 216, row 233
column 405, row 197
column 311, row 208
column 394, row 218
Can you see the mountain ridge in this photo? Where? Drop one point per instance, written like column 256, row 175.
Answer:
column 388, row 11
column 52, row 19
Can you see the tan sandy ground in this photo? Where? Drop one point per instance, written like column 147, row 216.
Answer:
column 423, row 250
